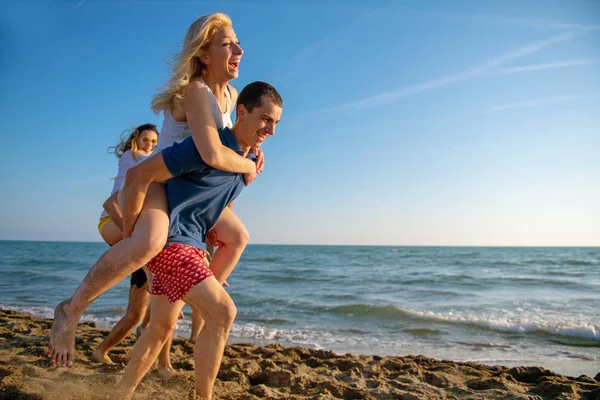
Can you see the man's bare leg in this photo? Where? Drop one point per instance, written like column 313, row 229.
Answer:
column 232, row 235
column 139, row 299
column 147, row 239
column 144, row 353
column 165, row 369
column 218, row 311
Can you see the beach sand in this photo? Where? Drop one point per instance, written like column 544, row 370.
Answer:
column 269, row 372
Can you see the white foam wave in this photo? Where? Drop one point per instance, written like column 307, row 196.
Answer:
column 520, row 321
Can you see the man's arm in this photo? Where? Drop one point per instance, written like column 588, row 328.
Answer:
column 111, row 206
column 136, row 185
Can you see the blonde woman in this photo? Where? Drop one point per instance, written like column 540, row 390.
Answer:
column 202, row 71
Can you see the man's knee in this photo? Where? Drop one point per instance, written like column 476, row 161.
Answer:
column 162, row 328
column 225, row 312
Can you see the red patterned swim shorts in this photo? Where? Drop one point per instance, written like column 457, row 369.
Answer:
column 177, row 268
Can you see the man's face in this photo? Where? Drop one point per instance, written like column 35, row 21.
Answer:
column 261, row 122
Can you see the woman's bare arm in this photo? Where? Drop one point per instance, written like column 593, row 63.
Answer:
column 111, row 206
column 206, row 136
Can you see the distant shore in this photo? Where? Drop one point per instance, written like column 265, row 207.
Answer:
column 269, row 372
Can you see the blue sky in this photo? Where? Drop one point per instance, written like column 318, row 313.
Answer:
column 404, row 123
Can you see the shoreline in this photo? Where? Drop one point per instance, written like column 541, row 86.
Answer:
column 266, row 372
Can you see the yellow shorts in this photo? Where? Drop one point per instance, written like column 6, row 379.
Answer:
column 103, row 221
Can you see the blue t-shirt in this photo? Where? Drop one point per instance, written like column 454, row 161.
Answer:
column 198, row 193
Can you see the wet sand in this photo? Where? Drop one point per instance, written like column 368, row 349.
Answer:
column 269, row 372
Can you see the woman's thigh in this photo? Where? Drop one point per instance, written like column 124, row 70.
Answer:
column 229, row 228
column 151, row 229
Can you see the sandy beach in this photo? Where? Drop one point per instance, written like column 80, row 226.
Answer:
column 269, row 372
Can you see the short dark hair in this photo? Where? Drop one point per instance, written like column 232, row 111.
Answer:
column 251, row 95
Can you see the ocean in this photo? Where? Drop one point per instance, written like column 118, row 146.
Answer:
column 506, row 306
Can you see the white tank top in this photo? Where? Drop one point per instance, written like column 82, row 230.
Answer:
column 175, row 131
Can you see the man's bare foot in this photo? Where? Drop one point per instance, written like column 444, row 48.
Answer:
column 166, row 373
column 61, row 347
column 101, row 357
column 192, row 339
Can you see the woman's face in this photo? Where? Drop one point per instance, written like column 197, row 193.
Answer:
column 224, row 54
column 146, row 142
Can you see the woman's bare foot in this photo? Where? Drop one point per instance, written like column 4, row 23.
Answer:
column 101, row 357
column 166, row 373
column 61, row 347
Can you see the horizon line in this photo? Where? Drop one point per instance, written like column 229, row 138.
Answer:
column 339, row 245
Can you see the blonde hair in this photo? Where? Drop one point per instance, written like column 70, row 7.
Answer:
column 128, row 141
column 187, row 64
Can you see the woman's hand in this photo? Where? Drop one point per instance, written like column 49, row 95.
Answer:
column 211, row 239
column 259, row 162
column 260, row 159
column 250, row 177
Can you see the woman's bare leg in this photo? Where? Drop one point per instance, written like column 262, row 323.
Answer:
column 111, row 233
column 147, row 240
column 145, row 322
column 139, row 299
column 197, row 324
column 233, row 236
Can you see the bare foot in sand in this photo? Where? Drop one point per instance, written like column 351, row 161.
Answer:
column 61, row 348
column 101, row 357
column 166, row 373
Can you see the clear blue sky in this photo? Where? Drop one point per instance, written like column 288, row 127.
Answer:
column 404, row 122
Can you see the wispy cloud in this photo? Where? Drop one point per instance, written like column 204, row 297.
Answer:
column 513, row 21
column 499, row 107
column 529, row 103
column 539, row 67
column 389, row 96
